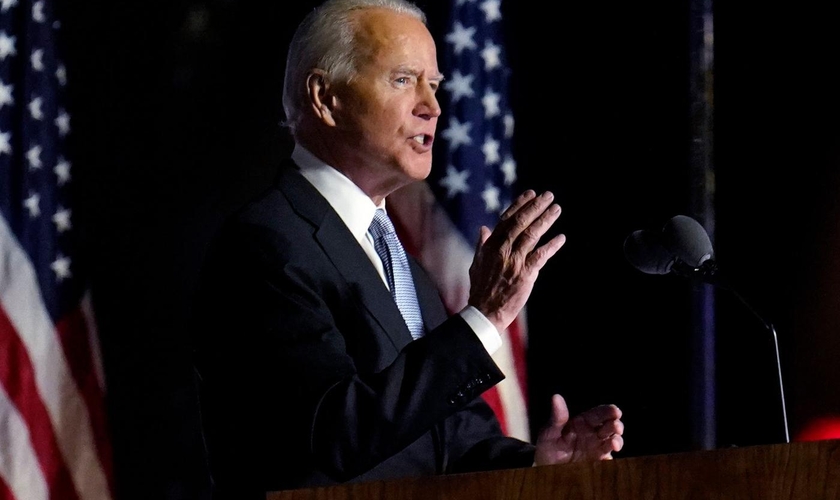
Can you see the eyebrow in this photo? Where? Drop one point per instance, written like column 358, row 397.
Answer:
column 439, row 77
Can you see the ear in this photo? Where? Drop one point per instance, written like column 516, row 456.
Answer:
column 321, row 98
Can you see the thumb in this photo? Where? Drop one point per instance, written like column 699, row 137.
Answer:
column 483, row 234
column 559, row 411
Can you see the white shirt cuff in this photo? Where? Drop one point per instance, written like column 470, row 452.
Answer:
column 483, row 328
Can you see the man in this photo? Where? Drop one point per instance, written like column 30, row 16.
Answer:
column 310, row 371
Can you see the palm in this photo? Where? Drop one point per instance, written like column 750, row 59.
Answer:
column 592, row 435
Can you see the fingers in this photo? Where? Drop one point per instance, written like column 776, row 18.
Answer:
column 520, row 200
column 524, row 223
column 528, row 219
column 617, row 443
column 610, row 446
column 605, row 420
column 598, row 415
column 538, row 258
column 610, row 428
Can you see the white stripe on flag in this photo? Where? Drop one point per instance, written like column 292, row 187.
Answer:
column 21, row 299
column 510, row 394
column 19, row 466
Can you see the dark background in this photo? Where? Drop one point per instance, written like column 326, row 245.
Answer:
column 175, row 121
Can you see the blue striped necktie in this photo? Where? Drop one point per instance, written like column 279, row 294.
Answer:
column 397, row 272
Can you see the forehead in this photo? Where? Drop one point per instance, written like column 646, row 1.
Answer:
column 386, row 36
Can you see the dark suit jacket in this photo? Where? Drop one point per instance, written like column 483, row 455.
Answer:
column 308, row 374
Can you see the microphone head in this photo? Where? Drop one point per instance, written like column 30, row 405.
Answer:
column 644, row 251
column 686, row 239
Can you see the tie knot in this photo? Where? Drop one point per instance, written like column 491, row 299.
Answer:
column 381, row 224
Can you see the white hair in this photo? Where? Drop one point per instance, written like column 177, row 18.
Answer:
column 325, row 39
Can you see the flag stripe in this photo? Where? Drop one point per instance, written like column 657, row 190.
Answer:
column 76, row 343
column 518, row 338
column 17, row 376
column 5, row 492
column 67, row 412
column 19, row 468
column 512, row 392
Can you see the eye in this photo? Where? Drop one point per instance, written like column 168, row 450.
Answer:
column 405, row 80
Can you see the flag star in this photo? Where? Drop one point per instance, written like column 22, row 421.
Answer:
column 62, row 171
column 7, row 45
column 490, row 195
column 62, row 121
column 32, row 204
column 34, row 157
column 455, row 182
column 492, row 55
column 490, row 101
column 61, row 219
column 5, row 5
column 508, row 126
column 457, row 133
column 461, row 38
column 61, row 74
column 509, row 169
column 35, row 108
column 38, row 12
column 492, row 10
column 490, row 148
column 37, row 59
column 61, row 267
column 6, row 94
column 460, row 86
column 5, row 145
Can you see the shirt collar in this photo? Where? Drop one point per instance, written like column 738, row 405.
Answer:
column 354, row 207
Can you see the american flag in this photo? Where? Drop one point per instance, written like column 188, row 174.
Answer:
column 53, row 440
column 472, row 181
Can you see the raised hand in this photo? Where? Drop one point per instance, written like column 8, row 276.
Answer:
column 508, row 260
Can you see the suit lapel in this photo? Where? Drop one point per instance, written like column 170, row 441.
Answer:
column 345, row 253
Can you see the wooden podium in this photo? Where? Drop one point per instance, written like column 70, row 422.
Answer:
column 806, row 471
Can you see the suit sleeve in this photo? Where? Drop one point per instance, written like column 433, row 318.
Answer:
column 281, row 393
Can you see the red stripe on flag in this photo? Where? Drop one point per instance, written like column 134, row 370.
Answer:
column 18, row 378
column 75, row 341
column 5, row 492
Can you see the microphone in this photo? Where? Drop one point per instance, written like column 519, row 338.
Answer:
column 683, row 247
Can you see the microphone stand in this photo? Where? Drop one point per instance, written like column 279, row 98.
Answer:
column 707, row 272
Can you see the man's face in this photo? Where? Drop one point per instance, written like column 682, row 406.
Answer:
column 388, row 112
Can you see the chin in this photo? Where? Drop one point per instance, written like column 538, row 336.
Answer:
column 419, row 172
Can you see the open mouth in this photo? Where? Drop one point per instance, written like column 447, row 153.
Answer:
column 423, row 139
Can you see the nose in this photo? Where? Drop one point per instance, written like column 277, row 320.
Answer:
column 427, row 104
